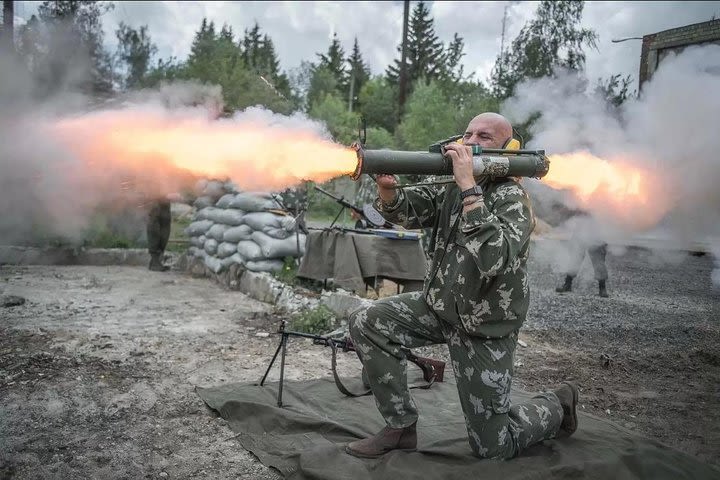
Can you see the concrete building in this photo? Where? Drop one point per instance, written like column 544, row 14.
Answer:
column 657, row 46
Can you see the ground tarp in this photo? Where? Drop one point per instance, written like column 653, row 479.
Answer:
column 305, row 439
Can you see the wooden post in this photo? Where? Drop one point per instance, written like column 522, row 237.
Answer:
column 403, row 67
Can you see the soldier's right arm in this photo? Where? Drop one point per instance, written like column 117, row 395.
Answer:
column 414, row 207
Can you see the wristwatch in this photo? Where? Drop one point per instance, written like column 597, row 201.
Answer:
column 476, row 190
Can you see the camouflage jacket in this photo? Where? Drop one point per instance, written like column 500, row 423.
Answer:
column 478, row 277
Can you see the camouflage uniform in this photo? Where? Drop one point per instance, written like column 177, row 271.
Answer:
column 475, row 299
column 158, row 230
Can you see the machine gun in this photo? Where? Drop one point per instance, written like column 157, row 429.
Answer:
column 433, row 370
column 368, row 214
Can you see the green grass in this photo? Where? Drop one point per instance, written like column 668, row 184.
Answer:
column 177, row 232
column 318, row 320
column 325, row 219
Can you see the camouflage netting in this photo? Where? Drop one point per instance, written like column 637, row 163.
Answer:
column 245, row 228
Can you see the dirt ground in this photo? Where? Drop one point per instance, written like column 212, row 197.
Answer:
column 98, row 367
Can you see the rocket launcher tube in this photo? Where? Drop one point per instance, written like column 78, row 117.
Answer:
column 490, row 162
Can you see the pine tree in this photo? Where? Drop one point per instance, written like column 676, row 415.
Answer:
column 207, row 58
column 258, row 52
column 425, row 52
column 251, row 43
column 358, row 73
column 334, row 61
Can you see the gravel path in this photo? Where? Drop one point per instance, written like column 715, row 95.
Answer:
column 98, row 367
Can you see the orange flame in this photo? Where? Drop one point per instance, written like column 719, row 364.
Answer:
column 614, row 190
column 164, row 152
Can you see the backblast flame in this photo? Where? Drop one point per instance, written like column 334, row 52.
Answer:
column 161, row 152
column 617, row 190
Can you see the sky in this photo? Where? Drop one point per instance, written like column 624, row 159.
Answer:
column 300, row 30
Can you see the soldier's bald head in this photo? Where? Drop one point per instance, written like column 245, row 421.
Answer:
column 489, row 130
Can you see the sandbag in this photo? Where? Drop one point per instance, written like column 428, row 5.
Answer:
column 276, row 248
column 195, row 229
column 217, row 231
column 254, row 201
column 198, row 242
column 203, row 202
column 265, row 265
column 236, row 258
column 226, row 249
column 213, row 263
column 225, row 200
column 230, row 187
column 214, row 189
column 197, row 252
column 237, row 234
column 279, row 233
column 204, row 213
column 211, row 246
column 261, row 220
column 226, row 262
column 230, row 216
column 250, row 250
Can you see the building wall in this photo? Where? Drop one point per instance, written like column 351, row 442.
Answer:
column 657, row 46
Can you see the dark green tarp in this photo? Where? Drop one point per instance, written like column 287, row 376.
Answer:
column 348, row 257
column 305, row 439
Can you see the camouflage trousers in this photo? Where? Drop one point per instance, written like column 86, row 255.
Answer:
column 483, row 372
column 597, row 255
column 158, row 227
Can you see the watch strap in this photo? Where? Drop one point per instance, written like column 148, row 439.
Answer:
column 476, row 190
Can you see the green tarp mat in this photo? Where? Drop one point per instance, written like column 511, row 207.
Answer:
column 305, row 439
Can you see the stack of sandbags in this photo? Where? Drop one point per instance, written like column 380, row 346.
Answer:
column 238, row 229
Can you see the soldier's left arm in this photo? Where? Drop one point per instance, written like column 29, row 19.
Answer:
column 495, row 237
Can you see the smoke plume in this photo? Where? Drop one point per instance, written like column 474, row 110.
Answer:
column 669, row 134
column 63, row 158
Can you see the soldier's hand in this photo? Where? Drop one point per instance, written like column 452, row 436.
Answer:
column 386, row 190
column 461, row 156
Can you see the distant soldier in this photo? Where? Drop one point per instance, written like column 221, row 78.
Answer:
column 159, row 221
column 584, row 240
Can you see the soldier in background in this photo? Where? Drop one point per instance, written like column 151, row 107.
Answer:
column 159, row 221
column 585, row 239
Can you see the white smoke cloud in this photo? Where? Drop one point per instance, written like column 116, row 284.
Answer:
column 671, row 131
column 45, row 189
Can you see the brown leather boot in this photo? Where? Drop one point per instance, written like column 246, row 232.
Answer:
column 388, row 439
column 568, row 395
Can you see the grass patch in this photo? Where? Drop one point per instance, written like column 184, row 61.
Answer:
column 177, row 232
column 316, row 321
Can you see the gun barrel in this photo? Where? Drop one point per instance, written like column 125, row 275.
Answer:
column 522, row 163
